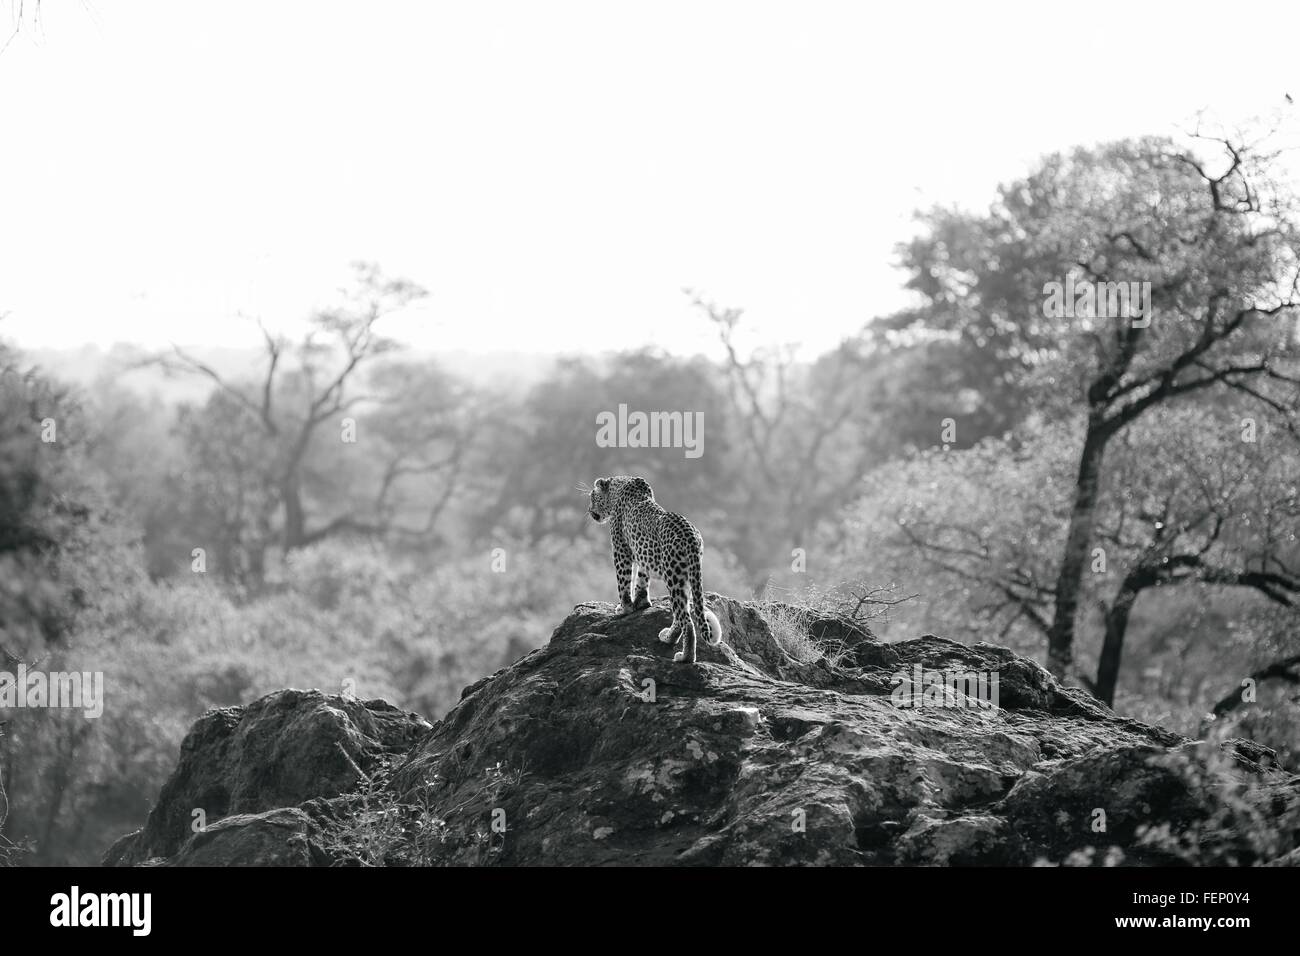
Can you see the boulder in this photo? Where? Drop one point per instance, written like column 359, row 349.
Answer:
column 277, row 752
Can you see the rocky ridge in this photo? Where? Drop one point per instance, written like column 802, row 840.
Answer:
column 598, row 750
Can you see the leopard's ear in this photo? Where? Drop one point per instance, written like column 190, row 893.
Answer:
column 602, row 484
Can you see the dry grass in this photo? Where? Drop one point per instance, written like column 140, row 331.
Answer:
column 791, row 629
column 791, row 613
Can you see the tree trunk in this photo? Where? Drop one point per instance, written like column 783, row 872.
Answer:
column 1060, row 639
column 294, row 520
column 1112, row 646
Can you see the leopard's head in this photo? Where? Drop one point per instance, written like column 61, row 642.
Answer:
column 607, row 494
column 600, row 505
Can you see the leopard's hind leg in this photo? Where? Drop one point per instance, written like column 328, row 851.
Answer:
column 706, row 622
column 680, row 597
column 671, row 634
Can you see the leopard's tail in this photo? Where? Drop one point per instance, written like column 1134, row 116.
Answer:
column 715, row 627
column 697, row 598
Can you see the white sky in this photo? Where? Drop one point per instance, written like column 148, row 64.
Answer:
column 553, row 172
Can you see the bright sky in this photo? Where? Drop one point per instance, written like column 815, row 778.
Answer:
column 553, row 172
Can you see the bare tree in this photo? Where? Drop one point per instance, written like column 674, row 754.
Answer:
column 805, row 436
column 313, row 385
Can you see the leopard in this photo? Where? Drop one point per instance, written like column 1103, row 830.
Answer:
column 646, row 538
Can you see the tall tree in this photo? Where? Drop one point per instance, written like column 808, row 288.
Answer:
column 1212, row 235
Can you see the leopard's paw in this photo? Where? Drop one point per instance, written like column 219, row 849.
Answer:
column 666, row 635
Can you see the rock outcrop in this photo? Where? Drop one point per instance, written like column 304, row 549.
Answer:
column 243, row 769
column 598, row 749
